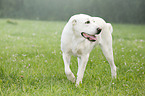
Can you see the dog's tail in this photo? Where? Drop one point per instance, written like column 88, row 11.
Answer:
column 110, row 27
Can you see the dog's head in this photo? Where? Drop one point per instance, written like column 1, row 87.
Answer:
column 84, row 26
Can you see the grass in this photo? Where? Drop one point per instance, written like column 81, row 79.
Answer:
column 31, row 62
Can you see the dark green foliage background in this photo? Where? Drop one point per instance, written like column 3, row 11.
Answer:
column 117, row 11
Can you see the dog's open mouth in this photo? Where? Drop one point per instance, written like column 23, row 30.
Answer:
column 91, row 38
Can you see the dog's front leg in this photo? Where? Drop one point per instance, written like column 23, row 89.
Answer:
column 82, row 62
column 68, row 72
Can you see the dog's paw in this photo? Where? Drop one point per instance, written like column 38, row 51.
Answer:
column 113, row 72
column 114, row 75
column 78, row 85
column 71, row 77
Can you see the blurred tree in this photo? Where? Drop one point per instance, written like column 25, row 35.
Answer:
column 119, row 11
column 9, row 8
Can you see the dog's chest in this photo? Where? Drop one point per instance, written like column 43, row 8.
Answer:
column 80, row 48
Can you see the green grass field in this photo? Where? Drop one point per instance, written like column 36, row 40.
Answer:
column 31, row 62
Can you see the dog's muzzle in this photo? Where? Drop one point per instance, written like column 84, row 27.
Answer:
column 91, row 38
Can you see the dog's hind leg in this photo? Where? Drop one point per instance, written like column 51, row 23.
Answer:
column 68, row 72
column 106, row 46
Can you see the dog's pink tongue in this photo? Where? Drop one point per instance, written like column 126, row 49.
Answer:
column 90, row 37
column 93, row 38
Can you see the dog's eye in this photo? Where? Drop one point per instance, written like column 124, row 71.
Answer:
column 88, row 22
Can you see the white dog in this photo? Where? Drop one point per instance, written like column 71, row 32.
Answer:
column 79, row 36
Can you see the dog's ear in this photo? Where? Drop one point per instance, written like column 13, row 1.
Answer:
column 74, row 22
column 110, row 27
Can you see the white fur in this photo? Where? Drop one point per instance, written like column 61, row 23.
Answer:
column 72, row 43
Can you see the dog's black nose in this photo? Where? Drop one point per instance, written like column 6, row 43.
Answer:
column 98, row 30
